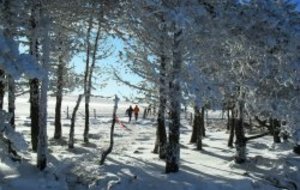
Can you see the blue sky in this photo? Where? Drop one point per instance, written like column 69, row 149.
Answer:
column 113, row 61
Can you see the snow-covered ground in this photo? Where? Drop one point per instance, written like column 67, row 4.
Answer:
column 131, row 165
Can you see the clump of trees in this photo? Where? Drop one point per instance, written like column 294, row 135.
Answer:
column 202, row 53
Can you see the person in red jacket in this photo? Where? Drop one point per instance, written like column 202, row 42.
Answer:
column 136, row 112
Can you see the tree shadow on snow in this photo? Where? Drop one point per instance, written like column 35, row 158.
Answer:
column 141, row 174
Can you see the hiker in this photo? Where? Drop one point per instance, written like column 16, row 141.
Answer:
column 136, row 112
column 129, row 113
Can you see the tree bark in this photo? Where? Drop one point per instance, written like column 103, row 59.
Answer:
column 111, row 144
column 73, row 119
column 89, row 88
column 231, row 124
column 296, row 149
column 275, row 130
column 231, row 133
column 199, row 118
column 228, row 119
column 11, row 100
column 257, row 136
column 42, row 149
column 195, row 125
column 2, row 88
column 240, row 143
column 86, row 83
column 34, row 112
column 9, row 33
column 202, row 123
column 173, row 150
column 161, row 136
column 59, row 97
column 161, row 129
column 34, row 83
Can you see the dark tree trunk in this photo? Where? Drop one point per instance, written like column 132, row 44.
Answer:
column 34, row 112
column 296, row 149
column 196, row 127
column 86, row 82
column 87, row 120
column 11, row 100
column 59, row 97
column 2, row 88
column 145, row 113
column 161, row 135
column 34, row 83
column 232, row 122
column 9, row 33
column 57, row 122
column 228, row 119
column 111, row 144
column 240, row 143
column 275, row 130
column 68, row 116
column 173, row 149
column 89, row 83
column 73, row 119
column 202, row 123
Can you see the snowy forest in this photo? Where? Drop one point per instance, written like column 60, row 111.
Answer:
column 218, row 95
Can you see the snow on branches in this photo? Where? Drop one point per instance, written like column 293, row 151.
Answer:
column 16, row 64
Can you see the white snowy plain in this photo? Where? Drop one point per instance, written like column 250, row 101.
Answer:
column 132, row 165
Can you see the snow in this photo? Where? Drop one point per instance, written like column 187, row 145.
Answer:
column 131, row 165
column 14, row 63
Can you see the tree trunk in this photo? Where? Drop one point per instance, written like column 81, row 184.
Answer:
column 231, row 133
column 111, row 144
column 275, row 130
column 34, row 112
column 9, row 32
column 2, row 88
column 240, row 142
column 145, row 113
column 161, row 129
column 228, row 119
column 199, row 124
column 202, row 123
column 195, row 126
column 277, row 127
column 231, row 124
column 173, row 149
column 34, row 83
column 11, row 100
column 161, row 136
column 73, row 119
column 59, row 97
column 296, row 149
column 89, row 88
column 43, row 139
column 86, row 83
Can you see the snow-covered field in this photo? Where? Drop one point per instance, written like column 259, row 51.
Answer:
column 131, row 165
